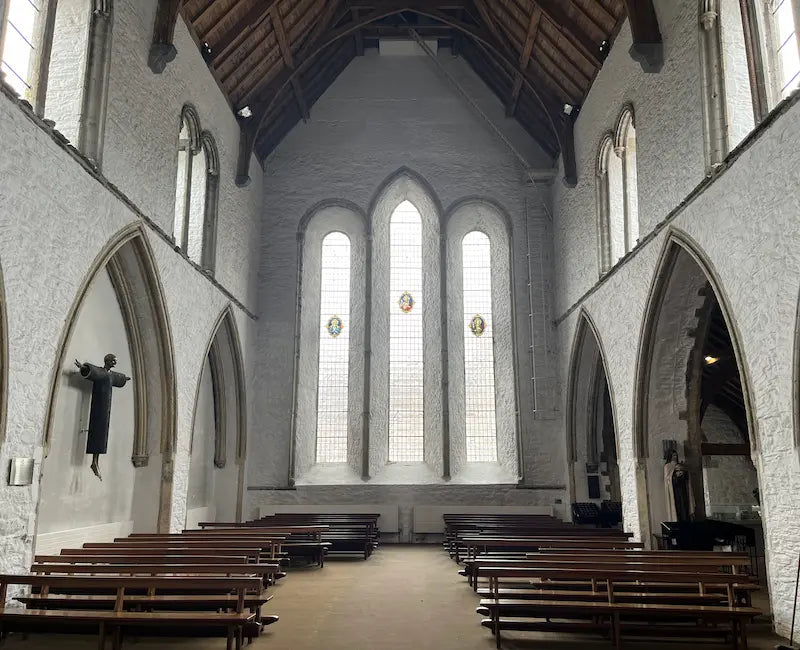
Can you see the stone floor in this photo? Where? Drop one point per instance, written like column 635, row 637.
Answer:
column 404, row 597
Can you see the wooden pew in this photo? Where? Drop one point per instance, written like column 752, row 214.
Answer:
column 120, row 618
column 346, row 536
column 737, row 563
column 610, row 615
column 473, row 544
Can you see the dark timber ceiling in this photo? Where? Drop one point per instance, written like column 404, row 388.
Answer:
column 277, row 57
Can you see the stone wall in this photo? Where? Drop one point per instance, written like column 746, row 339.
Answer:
column 742, row 229
column 57, row 218
column 385, row 119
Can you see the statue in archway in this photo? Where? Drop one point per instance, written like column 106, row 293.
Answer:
column 678, row 487
column 104, row 380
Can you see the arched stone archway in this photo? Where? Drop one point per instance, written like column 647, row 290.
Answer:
column 219, row 432
column 689, row 349
column 120, row 305
column 592, row 446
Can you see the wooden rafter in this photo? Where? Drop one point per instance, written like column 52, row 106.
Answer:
column 525, row 57
column 647, row 48
column 162, row 49
column 536, row 55
column 245, row 25
column 554, row 11
column 286, row 53
column 358, row 36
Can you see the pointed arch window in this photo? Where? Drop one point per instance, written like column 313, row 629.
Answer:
column 334, row 350
column 196, row 191
column 625, row 149
column 479, row 380
column 406, row 365
column 610, row 205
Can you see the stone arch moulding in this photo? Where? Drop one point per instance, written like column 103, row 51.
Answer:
column 625, row 119
column 467, row 211
column 3, row 359
column 795, row 383
column 224, row 341
column 584, row 330
column 132, row 269
column 602, row 201
column 211, row 208
column 406, row 184
column 675, row 243
column 191, row 117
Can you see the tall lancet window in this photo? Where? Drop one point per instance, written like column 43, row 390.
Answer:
column 406, row 393
column 481, row 427
column 334, row 349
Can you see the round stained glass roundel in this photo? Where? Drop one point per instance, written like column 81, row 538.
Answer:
column 335, row 326
column 477, row 325
column 406, row 302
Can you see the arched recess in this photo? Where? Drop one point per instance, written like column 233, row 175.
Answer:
column 126, row 267
column 219, row 431
column 667, row 405
column 485, row 216
column 407, row 185
column 322, row 220
column 592, row 443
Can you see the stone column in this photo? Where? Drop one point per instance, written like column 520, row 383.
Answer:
column 95, row 97
column 714, row 114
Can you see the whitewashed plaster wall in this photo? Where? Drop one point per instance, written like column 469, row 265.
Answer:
column 381, row 115
column 744, row 223
column 55, row 219
column 140, row 153
column 728, row 480
column 669, row 142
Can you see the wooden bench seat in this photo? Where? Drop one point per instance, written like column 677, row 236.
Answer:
column 692, row 617
column 119, row 617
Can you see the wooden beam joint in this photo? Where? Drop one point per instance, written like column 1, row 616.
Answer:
column 648, row 47
column 162, row 49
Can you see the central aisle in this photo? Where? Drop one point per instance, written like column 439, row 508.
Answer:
column 403, row 597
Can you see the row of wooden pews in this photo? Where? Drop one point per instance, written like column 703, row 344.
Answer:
column 541, row 574
column 345, row 533
column 196, row 583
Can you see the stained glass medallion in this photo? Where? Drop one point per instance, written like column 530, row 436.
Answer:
column 335, row 326
column 477, row 325
column 406, row 302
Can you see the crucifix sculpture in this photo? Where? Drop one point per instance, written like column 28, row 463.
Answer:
column 104, row 380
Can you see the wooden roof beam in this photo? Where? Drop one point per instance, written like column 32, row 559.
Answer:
column 317, row 42
column 556, row 14
column 524, row 59
column 358, row 35
column 647, row 48
column 286, row 53
column 257, row 13
column 162, row 48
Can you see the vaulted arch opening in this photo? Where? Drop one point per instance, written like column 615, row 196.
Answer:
column 591, row 429
column 119, row 310
column 216, row 468
column 693, row 401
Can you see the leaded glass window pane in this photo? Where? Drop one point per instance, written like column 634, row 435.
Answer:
column 481, row 427
column 334, row 349
column 406, row 396
column 18, row 46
